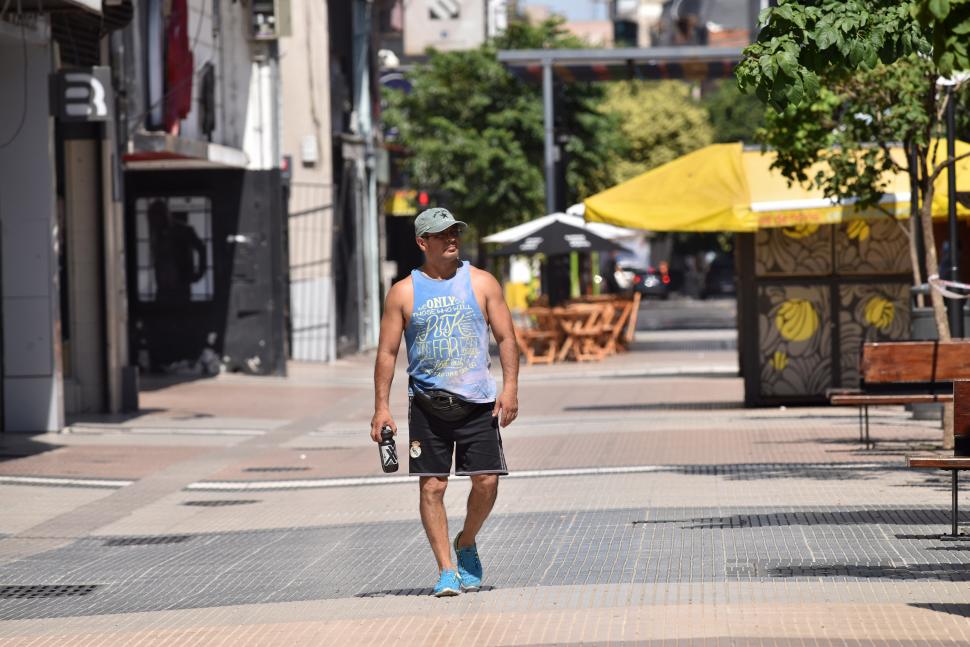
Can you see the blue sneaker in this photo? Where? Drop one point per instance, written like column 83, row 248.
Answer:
column 448, row 584
column 469, row 566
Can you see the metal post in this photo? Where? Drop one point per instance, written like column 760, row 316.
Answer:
column 954, row 308
column 370, row 307
column 550, row 151
column 914, row 212
column 956, row 509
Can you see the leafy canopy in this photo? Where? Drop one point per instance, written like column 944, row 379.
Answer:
column 659, row 122
column 850, row 126
column 734, row 116
column 848, row 78
column 803, row 41
column 949, row 23
column 474, row 132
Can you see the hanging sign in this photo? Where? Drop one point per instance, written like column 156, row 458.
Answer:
column 82, row 94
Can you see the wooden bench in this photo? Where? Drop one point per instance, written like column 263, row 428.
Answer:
column 905, row 372
column 954, row 466
column 961, row 450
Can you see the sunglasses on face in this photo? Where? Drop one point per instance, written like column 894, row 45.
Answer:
column 453, row 232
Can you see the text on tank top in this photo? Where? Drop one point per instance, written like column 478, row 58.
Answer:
column 447, row 338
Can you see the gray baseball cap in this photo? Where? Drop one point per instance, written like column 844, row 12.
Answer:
column 435, row 219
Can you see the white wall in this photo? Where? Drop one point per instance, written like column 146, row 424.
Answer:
column 244, row 84
column 467, row 31
column 31, row 381
column 305, row 84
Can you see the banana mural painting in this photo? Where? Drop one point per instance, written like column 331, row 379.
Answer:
column 880, row 312
column 796, row 347
column 858, row 230
column 779, row 360
column 796, row 320
column 864, row 247
column 804, row 250
column 800, row 231
column 869, row 312
column 820, row 292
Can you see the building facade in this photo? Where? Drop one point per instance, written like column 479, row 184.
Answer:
column 59, row 198
column 204, row 211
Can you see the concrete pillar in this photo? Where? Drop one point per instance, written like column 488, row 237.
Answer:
column 84, row 375
column 31, row 341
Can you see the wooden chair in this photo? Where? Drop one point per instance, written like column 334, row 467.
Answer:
column 583, row 328
column 631, row 322
column 617, row 318
column 540, row 341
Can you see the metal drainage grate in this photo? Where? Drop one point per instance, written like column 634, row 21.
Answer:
column 45, row 590
column 276, row 469
column 219, row 503
column 147, row 541
column 424, row 592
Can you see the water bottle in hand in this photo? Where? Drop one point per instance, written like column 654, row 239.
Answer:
column 388, row 450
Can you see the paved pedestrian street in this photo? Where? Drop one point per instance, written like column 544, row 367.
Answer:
column 646, row 506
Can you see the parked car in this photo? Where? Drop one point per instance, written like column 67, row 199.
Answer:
column 720, row 277
column 649, row 282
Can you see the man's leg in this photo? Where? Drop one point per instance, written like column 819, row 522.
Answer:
column 435, row 519
column 480, row 502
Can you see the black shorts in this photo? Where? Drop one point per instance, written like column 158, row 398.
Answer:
column 474, row 440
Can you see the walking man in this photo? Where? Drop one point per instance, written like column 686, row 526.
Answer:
column 444, row 310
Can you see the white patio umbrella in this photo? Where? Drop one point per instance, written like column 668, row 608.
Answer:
column 601, row 229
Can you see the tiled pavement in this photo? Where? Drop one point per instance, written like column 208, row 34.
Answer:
column 691, row 519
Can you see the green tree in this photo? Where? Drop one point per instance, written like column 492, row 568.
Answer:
column 948, row 22
column 734, row 116
column 659, row 121
column 474, row 132
column 845, row 79
column 803, row 42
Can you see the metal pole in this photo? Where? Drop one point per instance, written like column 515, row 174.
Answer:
column 954, row 308
column 956, row 509
column 550, row 151
column 914, row 212
column 370, row 307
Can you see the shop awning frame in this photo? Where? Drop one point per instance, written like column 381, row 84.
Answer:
column 157, row 151
column 577, row 65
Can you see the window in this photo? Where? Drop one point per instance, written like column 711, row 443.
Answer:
column 174, row 249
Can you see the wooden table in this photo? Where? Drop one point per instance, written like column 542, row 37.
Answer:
column 954, row 464
column 582, row 328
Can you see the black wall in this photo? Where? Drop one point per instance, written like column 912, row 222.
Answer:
column 243, row 322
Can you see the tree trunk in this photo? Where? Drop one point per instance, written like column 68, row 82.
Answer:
column 932, row 265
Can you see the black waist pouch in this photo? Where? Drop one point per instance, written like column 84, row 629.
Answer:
column 443, row 404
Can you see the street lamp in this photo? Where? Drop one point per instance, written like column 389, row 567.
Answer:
column 954, row 306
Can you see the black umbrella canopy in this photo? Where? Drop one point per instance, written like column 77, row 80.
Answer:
column 559, row 238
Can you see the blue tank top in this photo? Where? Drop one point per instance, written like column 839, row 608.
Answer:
column 447, row 338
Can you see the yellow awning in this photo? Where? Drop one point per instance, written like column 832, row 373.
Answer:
column 725, row 188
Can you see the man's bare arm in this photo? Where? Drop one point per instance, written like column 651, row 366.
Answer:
column 500, row 320
column 392, row 327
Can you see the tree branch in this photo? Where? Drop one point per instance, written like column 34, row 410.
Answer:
column 945, row 163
